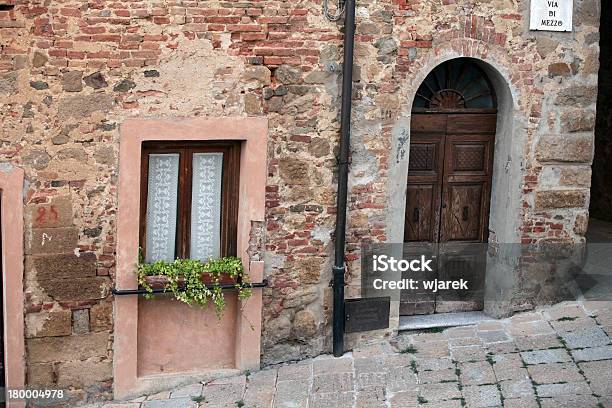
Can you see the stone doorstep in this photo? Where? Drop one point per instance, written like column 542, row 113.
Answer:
column 420, row 322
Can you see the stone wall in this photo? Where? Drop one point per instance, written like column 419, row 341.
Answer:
column 71, row 72
column 601, row 197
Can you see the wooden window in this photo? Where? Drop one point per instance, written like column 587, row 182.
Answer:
column 189, row 200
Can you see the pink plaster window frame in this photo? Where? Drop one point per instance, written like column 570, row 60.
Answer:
column 11, row 194
column 253, row 132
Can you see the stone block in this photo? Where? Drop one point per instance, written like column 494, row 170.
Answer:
column 546, row 356
column 124, row 85
column 370, row 380
column 82, row 106
column 520, row 388
column 36, row 158
column 577, row 95
column 572, row 388
column 81, row 374
column 426, row 364
column 482, row 396
column 577, row 120
column 80, row 321
column 52, row 240
column 63, row 266
column 438, row 376
column 301, row 297
column 476, row 373
column 287, row 74
column 468, row 353
column 48, row 324
column 293, row 393
column 599, row 375
column 101, row 317
column 319, row 147
column 184, row 402
column 570, row 401
column 72, row 81
column 193, row 390
column 544, row 341
column 58, row 213
column 548, row 199
column 96, row 80
column 575, row 176
column 8, row 83
column 76, row 289
column 593, row 353
column 573, row 148
column 332, row 366
column 294, row 171
column 440, row 392
column 401, row 378
column 587, row 337
column 67, row 348
column 309, row 269
column 252, row 104
column 39, row 59
column 258, row 73
column 304, row 325
column 330, row 400
column 41, row 375
column 559, row 69
column 554, row 373
column 525, row 402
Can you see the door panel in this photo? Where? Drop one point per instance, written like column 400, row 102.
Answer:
column 466, row 181
column 419, row 217
column 461, row 218
column 471, row 123
column 425, row 167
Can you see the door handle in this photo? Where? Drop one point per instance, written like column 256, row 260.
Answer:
column 415, row 215
column 466, row 213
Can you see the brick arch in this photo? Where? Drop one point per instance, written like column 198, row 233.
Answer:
column 512, row 127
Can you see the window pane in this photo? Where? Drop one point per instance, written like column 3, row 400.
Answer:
column 206, row 206
column 162, row 199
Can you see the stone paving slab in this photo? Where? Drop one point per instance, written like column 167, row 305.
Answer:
column 555, row 357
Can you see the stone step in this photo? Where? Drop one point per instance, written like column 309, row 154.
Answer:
column 419, row 322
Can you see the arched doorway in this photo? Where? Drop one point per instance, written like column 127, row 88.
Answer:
column 450, row 168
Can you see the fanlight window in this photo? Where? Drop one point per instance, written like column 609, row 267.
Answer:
column 455, row 85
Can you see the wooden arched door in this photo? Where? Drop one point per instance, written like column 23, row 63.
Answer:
column 452, row 136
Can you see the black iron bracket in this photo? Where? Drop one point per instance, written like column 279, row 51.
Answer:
column 124, row 292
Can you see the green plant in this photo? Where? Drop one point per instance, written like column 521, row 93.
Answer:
column 410, row 350
column 184, row 280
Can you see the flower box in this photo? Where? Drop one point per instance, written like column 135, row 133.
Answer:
column 162, row 282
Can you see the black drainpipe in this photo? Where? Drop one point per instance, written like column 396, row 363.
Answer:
column 343, row 162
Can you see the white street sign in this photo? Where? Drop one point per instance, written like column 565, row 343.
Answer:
column 551, row 15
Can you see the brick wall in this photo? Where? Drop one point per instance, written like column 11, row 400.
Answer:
column 72, row 71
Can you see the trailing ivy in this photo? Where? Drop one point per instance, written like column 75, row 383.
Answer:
column 184, row 280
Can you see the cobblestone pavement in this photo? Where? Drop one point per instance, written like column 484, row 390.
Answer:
column 559, row 356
